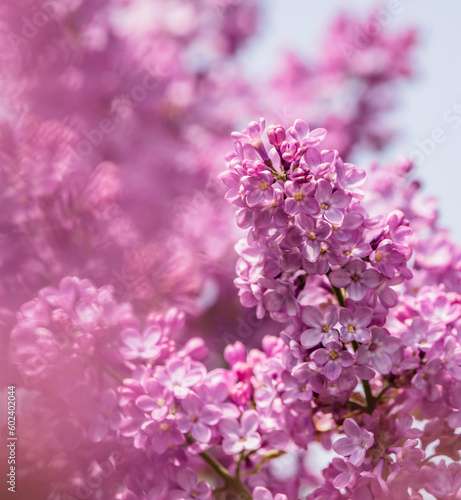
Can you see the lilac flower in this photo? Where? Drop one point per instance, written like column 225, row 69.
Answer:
column 306, row 137
column 334, row 358
column 319, row 162
column 133, row 425
column 346, row 477
column 387, row 259
column 271, row 211
column 291, row 151
column 308, row 236
column 321, row 327
column 232, row 179
column 278, row 295
column 163, row 434
column 295, row 389
column 409, row 455
column 156, row 400
column 258, row 188
column 429, row 378
column 351, row 222
column 253, row 132
column 378, row 485
column 356, row 278
column 304, row 375
column 141, row 346
column 180, row 375
column 350, row 178
column 328, row 257
column 438, row 308
column 197, row 418
column 397, row 229
column 252, row 135
column 422, row 335
column 352, row 249
column 191, row 488
column 355, row 445
column 441, row 480
column 354, row 324
column 380, row 350
column 300, row 198
column 332, row 204
column 239, row 436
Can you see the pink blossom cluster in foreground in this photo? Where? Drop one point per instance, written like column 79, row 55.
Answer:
column 365, row 365
column 315, row 259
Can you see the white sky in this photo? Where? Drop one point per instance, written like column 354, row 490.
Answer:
column 422, row 103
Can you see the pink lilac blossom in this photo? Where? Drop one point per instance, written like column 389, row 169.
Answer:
column 342, row 338
column 333, row 359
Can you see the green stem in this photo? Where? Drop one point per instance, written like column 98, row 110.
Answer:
column 269, row 456
column 339, row 296
column 239, row 465
column 383, row 390
column 232, row 483
column 357, row 405
column 371, row 401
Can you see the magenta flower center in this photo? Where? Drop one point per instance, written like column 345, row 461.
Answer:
column 324, row 206
column 355, row 277
column 351, row 329
column 312, row 236
column 333, row 355
column 264, row 186
column 299, row 196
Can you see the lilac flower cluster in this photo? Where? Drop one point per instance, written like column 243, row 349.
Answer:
column 340, row 281
column 363, row 366
column 306, row 220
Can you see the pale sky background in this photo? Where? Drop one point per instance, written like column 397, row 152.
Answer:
column 421, row 103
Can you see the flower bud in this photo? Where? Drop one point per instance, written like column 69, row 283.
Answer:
column 276, row 135
column 235, row 352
